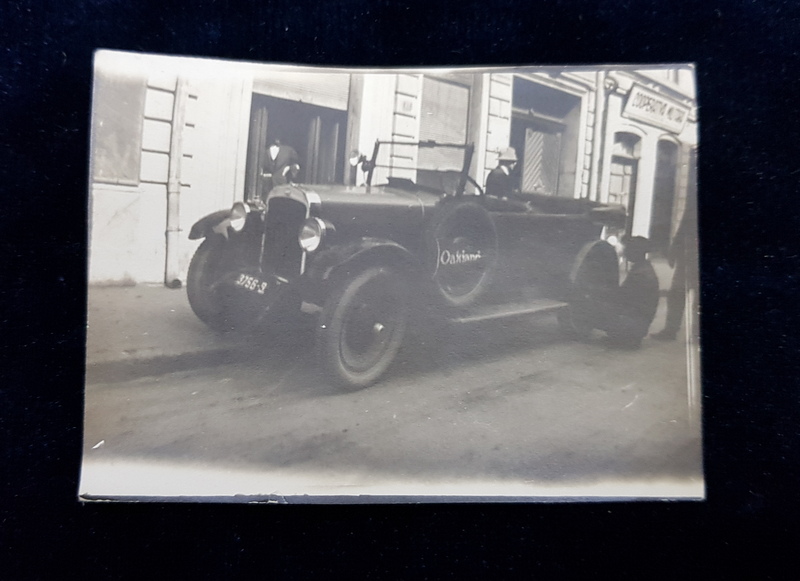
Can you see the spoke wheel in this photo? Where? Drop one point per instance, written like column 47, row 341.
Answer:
column 363, row 326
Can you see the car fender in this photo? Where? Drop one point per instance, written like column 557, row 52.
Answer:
column 349, row 258
column 203, row 227
column 596, row 254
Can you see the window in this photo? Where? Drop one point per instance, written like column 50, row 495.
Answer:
column 444, row 116
column 624, row 166
column 117, row 128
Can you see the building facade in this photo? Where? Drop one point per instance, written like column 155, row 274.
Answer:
column 175, row 139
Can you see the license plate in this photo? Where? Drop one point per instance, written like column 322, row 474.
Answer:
column 251, row 283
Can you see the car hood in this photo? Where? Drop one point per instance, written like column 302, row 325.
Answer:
column 381, row 211
column 373, row 196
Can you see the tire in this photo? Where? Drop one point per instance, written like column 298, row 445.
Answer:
column 205, row 269
column 593, row 282
column 463, row 230
column 362, row 327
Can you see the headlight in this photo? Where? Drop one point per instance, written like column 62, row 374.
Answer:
column 239, row 216
column 311, row 234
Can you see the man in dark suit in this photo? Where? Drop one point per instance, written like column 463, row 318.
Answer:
column 682, row 257
column 282, row 163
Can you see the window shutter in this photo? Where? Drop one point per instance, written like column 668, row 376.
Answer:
column 444, row 113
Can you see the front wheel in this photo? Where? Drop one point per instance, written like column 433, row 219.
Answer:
column 362, row 327
column 205, row 272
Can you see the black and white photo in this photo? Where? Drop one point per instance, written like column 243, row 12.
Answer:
column 362, row 285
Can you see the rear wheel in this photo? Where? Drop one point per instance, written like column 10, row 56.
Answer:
column 362, row 327
column 594, row 281
column 205, row 271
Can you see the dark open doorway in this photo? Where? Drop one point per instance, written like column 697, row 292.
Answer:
column 316, row 133
column 663, row 194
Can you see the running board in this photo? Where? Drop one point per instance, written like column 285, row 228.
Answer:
column 491, row 312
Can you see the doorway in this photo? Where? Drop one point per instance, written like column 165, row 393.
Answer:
column 663, row 194
column 544, row 132
column 538, row 145
column 316, row 133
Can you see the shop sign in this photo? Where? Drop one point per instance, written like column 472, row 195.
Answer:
column 654, row 109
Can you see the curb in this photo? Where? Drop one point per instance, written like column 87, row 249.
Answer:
column 127, row 369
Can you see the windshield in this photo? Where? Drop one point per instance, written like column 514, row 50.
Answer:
column 437, row 167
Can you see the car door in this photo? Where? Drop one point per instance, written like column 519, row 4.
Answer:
column 537, row 250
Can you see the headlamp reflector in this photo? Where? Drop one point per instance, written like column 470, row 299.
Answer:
column 311, row 234
column 238, row 216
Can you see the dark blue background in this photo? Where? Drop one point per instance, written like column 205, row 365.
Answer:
column 747, row 55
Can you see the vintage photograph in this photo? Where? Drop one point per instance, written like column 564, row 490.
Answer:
column 400, row 285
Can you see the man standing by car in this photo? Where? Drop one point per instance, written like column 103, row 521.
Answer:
column 282, row 164
column 682, row 256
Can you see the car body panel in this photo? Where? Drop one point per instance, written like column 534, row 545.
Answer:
column 537, row 250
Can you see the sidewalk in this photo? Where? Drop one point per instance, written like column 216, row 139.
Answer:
column 144, row 326
column 144, row 329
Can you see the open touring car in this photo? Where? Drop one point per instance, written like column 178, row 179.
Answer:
column 366, row 259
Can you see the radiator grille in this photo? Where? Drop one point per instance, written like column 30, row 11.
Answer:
column 282, row 253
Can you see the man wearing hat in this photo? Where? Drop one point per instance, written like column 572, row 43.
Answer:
column 499, row 182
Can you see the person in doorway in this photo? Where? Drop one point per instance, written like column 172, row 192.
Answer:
column 682, row 257
column 282, row 164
